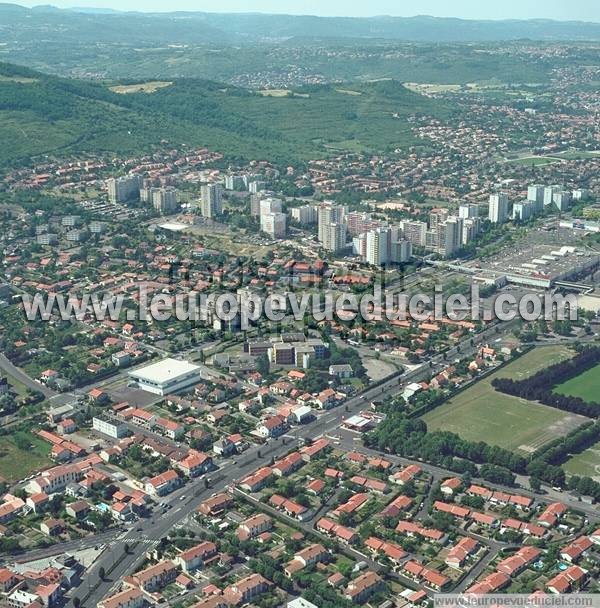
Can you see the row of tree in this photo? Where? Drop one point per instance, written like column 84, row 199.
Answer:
column 558, row 451
column 540, row 387
column 409, row 437
column 545, row 462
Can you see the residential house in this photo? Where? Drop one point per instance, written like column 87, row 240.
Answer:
column 274, row 426
column 52, row 527
column 450, row 486
column 38, row 502
column 577, row 549
column 290, row 507
column 363, row 587
column 458, row 555
column 163, row 484
column 246, row 589
column 406, row 474
column 195, row 464
column 78, row 509
column 315, row 449
column 572, row 578
column 253, row 526
column 197, row 556
column 490, row 584
column 215, row 505
column 8, row 580
column 288, row 465
column 342, row 533
column 257, row 480
column 515, row 564
column 56, row 479
column 156, row 577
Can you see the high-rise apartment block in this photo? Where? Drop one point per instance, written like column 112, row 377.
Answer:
column 123, row 189
column 164, row 200
column 273, row 224
column 211, row 200
column 498, row 211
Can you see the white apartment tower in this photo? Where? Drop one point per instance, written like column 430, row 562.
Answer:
column 378, row 246
column 164, row 200
column 535, row 194
column 498, row 212
column 549, row 192
column 273, row 224
column 307, row 214
column 414, row 232
column 468, row 211
column 123, row 189
column 211, row 200
column 270, row 205
column 329, row 214
column 333, row 236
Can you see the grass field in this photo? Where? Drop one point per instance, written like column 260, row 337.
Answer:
column 18, row 387
column 144, row 87
column 481, row 413
column 275, row 92
column 535, row 161
column 587, row 463
column 426, row 88
column 17, row 79
column 16, row 462
column 577, row 154
column 586, row 386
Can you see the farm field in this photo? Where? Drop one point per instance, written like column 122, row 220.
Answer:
column 481, row 413
column 587, row 463
column 586, row 386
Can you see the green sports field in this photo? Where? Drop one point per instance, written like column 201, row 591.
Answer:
column 587, row 463
column 481, row 413
column 586, row 386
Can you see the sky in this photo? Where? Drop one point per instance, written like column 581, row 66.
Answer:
column 585, row 10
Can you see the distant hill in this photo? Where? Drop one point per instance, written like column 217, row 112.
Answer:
column 421, row 28
column 100, row 25
column 42, row 114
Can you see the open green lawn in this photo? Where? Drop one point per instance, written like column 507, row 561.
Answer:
column 587, row 463
column 481, row 413
column 18, row 387
column 533, row 362
column 586, row 386
column 535, row 161
column 17, row 461
column 577, row 155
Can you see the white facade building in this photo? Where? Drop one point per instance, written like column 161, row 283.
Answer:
column 211, row 200
column 167, row 376
column 273, row 224
column 498, row 211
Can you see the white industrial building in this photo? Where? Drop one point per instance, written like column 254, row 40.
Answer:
column 167, row 376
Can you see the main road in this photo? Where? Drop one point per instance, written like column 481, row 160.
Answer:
column 17, row 373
